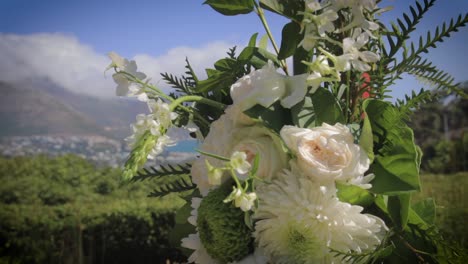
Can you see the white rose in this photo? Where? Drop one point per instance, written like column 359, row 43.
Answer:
column 226, row 137
column 259, row 140
column 328, row 153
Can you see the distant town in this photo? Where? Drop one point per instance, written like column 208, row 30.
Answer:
column 98, row 149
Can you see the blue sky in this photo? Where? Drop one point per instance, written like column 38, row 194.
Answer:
column 158, row 32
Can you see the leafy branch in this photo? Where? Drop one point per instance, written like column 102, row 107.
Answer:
column 411, row 61
column 162, row 171
column 413, row 102
column 403, row 32
column 181, row 184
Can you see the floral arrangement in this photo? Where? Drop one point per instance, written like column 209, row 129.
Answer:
column 311, row 165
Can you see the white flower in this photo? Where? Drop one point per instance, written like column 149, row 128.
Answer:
column 358, row 8
column 352, row 56
column 214, row 174
column 316, row 25
column 226, row 136
column 328, row 153
column 199, row 255
column 157, row 123
column 295, row 90
column 300, row 221
column 161, row 112
column 239, row 162
column 245, row 201
column 124, row 86
column 161, row 143
column 265, row 87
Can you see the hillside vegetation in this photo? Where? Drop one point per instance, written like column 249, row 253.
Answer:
column 66, row 210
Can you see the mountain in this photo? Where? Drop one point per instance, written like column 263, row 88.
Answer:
column 25, row 112
column 38, row 106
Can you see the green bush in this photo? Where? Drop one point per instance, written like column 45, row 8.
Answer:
column 66, row 210
column 449, row 193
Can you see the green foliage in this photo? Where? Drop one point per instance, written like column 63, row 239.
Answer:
column 162, row 171
column 184, row 84
column 449, row 194
column 440, row 128
column 354, row 195
column 171, row 179
column 317, row 108
column 289, row 8
column 273, row 117
column 396, row 156
column 231, row 7
column 290, row 38
column 413, row 102
column 64, row 209
column 180, row 184
column 411, row 61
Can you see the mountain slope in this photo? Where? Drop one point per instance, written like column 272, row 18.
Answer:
column 114, row 114
column 25, row 111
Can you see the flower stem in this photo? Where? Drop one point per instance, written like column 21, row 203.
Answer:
column 203, row 100
column 261, row 15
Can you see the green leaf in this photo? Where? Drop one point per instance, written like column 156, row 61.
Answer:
column 299, row 56
column 354, row 195
column 396, row 164
column 303, row 114
column 398, row 208
column 257, row 57
column 274, row 117
column 425, row 211
column 287, row 8
column 366, row 140
column 226, row 64
column 253, row 40
column 263, row 43
column 317, row 108
column 290, row 39
column 231, row 7
column 216, row 81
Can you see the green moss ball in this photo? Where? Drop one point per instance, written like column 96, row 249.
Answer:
column 222, row 228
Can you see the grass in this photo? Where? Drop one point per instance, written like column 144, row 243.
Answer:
column 449, row 193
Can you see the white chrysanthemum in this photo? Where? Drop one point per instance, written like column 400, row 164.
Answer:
column 300, row 221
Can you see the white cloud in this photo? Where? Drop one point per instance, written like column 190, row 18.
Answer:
column 174, row 60
column 76, row 66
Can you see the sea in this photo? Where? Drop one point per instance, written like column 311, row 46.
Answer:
column 188, row 146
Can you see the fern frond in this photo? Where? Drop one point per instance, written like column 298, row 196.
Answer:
column 446, row 250
column 175, row 82
column 402, row 31
column 191, row 79
column 423, row 45
column 181, row 184
column 438, row 79
column 232, row 52
column 162, row 171
column 413, row 102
